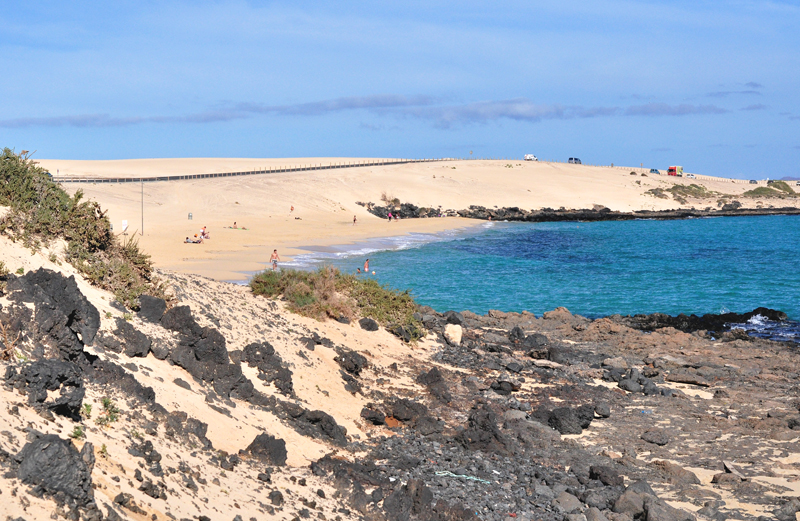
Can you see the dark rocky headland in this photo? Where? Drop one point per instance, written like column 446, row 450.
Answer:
column 598, row 213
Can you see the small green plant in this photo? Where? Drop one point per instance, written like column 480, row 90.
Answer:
column 54, row 259
column 108, row 314
column 77, row 433
column 109, row 414
column 136, row 434
column 20, row 271
column 127, row 316
column 3, row 269
column 87, row 410
column 104, row 451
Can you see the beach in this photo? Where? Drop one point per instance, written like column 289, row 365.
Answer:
column 325, row 201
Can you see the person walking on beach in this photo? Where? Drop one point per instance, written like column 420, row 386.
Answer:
column 366, row 266
column 274, row 259
column 354, row 220
column 390, row 216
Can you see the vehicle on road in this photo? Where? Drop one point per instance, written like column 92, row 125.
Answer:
column 690, row 176
column 675, row 170
column 655, row 171
column 574, row 161
column 531, row 157
column 753, row 182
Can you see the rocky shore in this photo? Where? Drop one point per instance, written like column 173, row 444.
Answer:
column 598, row 213
column 224, row 406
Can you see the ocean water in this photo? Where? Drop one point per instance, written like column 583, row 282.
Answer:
column 596, row 269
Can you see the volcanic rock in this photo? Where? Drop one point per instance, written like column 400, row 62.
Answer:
column 368, row 324
column 268, row 449
column 54, row 465
column 151, row 309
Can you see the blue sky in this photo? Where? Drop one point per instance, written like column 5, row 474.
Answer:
column 712, row 86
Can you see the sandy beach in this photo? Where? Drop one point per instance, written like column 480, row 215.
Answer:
column 324, row 202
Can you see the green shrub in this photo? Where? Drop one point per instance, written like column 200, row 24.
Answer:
column 327, row 293
column 775, row 190
column 77, row 433
column 109, row 414
column 42, row 211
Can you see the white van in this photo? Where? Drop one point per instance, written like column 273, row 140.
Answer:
column 530, row 157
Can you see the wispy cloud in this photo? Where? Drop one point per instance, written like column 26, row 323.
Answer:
column 317, row 108
column 794, row 118
column 757, row 106
column 519, row 109
column 229, row 113
column 726, row 93
column 430, row 108
column 753, row 85
column 663, row 109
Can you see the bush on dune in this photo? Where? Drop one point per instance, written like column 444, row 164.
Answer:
column 327, row 293
column 42, row 212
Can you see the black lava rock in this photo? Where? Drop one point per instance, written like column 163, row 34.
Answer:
column 55, row 466
column 268, row 449
column 151, row 309
column 368, row 324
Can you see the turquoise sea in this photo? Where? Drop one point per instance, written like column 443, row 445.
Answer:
column 594, row 269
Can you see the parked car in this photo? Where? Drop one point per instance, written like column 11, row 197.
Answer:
column 691, row 176
column 753, row 182
column 770, row 181
column 798, row 183
column 675, row 170
column 655, row 171
column 531, row 157
column 574, row 161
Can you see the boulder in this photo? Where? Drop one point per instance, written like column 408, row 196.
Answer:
column 39, row 377
column 55, row 466
column 676, row 474
column 656, row 436
column 368, row 324
column 373, row 416
column 151, row 309
column 453, row 334
column 180, row 319
column 63, row 315
column 606, row 474
column 482, row 432
column 565, row 420
column 268, row 449
column 656, row 509
column 134, row 342
column 454, row 317
column 567, row 503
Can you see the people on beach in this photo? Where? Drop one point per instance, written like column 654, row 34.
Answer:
column 358, row 271
column 235, row 227
column 390, row 216
column 204, row 233
column 291, row 209
column 354, row 220
column 366, row 266
column 274, row 259
column 188, row 240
